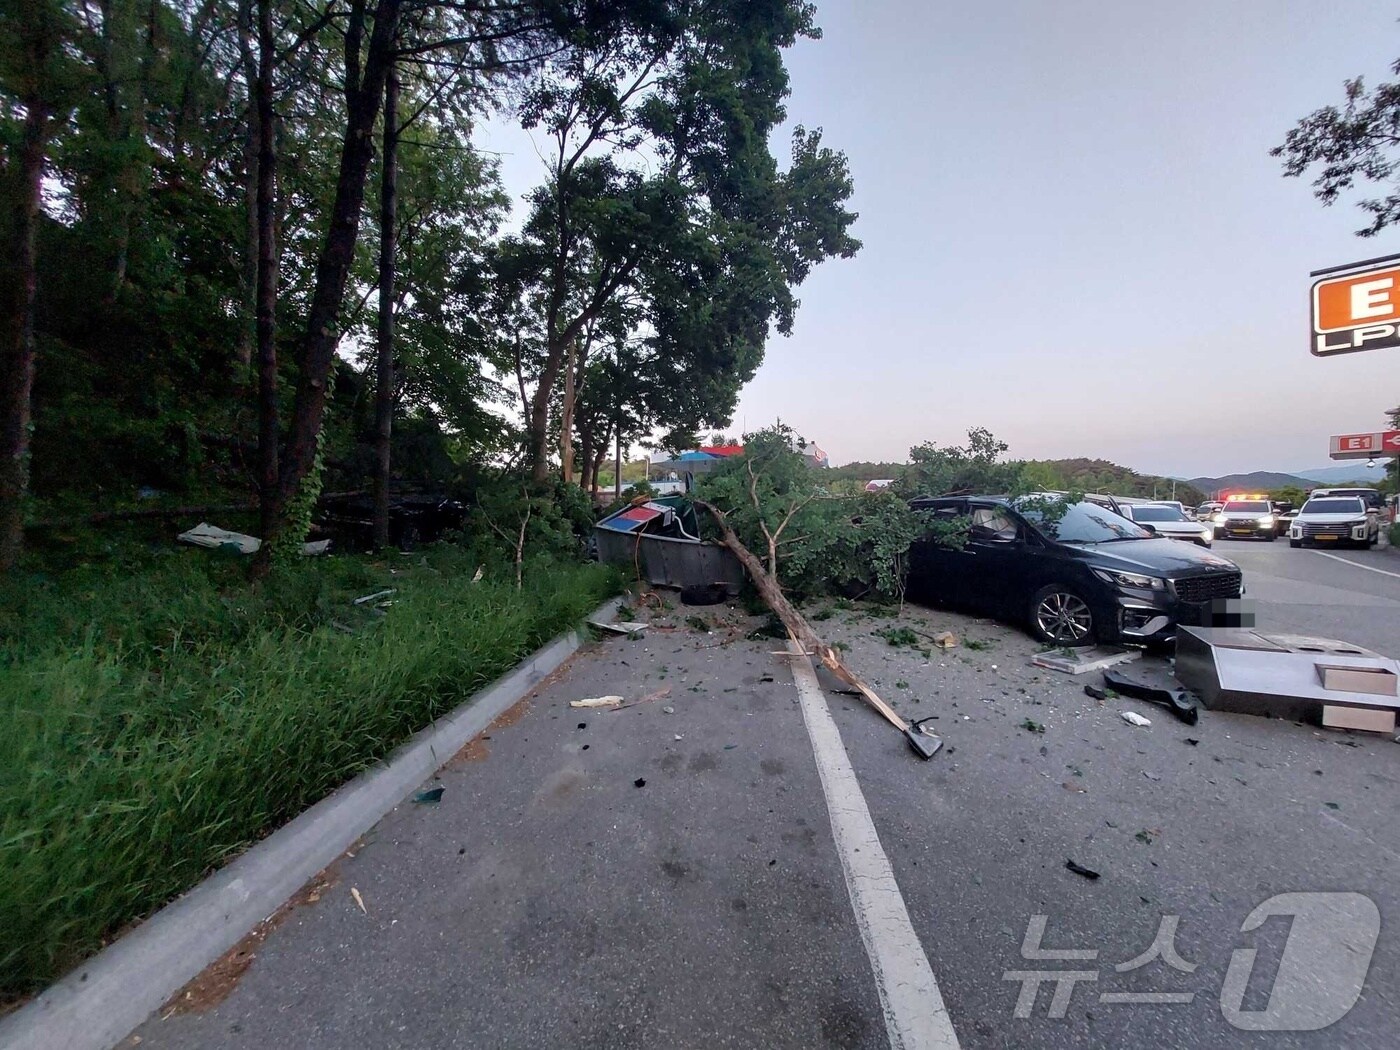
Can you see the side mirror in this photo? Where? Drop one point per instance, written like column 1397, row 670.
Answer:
column 1148, row 526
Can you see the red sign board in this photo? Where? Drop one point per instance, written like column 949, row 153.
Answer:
column 1365, row 446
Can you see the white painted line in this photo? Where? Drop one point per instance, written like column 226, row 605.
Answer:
column 915, row 1016
column 1357, row 564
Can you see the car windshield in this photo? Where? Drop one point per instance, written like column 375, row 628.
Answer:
column 1367, row 496
column 1158, row 514
column 1351, row 505
column 1248, row 506
column 1080, row 522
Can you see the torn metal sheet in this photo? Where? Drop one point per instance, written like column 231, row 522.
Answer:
column 1276, row 675
column 211, row 537
column 631, row 628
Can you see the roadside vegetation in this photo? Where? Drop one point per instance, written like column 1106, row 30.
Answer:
column 161, row 717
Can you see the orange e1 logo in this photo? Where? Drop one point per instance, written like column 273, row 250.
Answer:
column 1361, row 299
column 1359, row 311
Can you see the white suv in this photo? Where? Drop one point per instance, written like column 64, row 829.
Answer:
column 1334, row 520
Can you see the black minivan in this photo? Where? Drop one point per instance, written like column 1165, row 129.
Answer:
column 1090, row 576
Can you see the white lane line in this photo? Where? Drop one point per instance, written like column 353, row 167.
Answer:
column 915, row 1016
column 1356, row 564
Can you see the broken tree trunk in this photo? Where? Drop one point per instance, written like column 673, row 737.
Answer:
column 802, row 633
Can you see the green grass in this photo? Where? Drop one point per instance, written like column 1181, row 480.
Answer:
column 158, row 720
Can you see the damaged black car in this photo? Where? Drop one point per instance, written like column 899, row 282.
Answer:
column 1076, row 575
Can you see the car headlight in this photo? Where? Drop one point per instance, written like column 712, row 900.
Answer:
column 1267, row 521
column 1131, row 579
column 1206, row 534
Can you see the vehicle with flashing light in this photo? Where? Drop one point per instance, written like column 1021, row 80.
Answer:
column 1246, row 516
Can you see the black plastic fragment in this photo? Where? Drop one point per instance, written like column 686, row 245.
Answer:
column 1080, row 869
column 1180, row 702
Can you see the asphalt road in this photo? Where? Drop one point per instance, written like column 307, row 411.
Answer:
column 547, row 901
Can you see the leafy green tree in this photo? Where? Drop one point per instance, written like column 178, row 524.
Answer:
column 1358, row 142
column 709, row 241
column 37, row 81
column 974, row 467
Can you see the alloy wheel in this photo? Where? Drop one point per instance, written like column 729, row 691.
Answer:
column 1064, row 618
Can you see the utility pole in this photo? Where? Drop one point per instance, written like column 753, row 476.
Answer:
column 617, row 475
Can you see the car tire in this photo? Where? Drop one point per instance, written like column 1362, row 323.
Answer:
column 1375, row 539
column 1059, row 616
column 1295, row 543
column 1270, row 538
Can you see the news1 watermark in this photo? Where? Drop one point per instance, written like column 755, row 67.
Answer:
column 1319, row 978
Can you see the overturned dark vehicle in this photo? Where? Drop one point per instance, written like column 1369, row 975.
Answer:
column 413, row 519
column 1080, row 576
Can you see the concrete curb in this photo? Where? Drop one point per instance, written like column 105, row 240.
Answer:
column 98, row 1004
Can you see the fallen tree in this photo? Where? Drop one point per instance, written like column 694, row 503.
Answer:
column 926, row 745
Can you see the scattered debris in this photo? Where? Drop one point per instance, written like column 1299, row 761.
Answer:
column 1147, row 837
column 597, row 701
column 1192, row 741
column 1070, row 785
column 1080, row 869
column 1150, row 776
column 1135, row 719
column 1034, row 727
column 358, row 899
column 662, row 692
column 1095, row 693
column 944, row 639
column 583, row 725
column 480, row 571
column 898, row 636
column 1179, row 702
column 640, row 782
column 668, row 710
column 1082, row 661
column 1332, row 805
column 211, row 537
column 631, row 628
column 430, row 795
column 730, row 747
column 372, row 597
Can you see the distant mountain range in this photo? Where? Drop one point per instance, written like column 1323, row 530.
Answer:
column 1265, row 480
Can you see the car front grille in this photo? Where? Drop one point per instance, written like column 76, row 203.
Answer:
column 1208, row 587
column 1337, row 529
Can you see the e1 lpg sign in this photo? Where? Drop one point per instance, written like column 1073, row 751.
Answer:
column 1360, row 311
column 1366, row 446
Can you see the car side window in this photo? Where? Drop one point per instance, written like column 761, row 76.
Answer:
column 992, row 523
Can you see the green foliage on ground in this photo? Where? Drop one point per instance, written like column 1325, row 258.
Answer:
column 1395, row 535
column 160, row 719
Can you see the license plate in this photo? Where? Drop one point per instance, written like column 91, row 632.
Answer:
column 1241, row 532
column 1327, row 538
